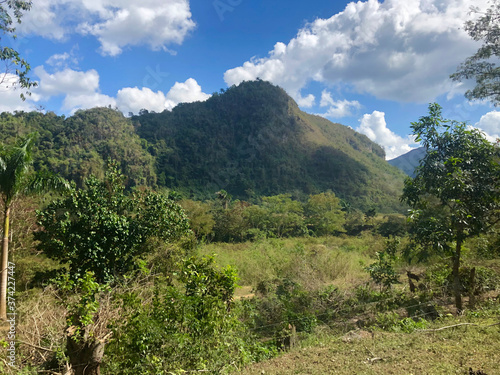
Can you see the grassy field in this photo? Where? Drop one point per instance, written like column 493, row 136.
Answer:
column 310, row 261
column 337, row 261
column 345, row 324
column 449, row 351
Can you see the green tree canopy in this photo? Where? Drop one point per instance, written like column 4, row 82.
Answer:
column 324, row 214
column 456, row 191
column 102, row 229
column 11, row 12
column 481, row 65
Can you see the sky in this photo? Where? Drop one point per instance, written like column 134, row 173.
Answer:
column 372, row 65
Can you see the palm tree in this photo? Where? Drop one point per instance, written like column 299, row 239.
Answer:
column 16, row 181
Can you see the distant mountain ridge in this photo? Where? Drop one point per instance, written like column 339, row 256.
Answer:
column 409, row 161
column 253, row 140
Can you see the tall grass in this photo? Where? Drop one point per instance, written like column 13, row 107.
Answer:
column 311, row 262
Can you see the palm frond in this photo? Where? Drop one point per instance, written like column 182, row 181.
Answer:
column 14, row 167
column 45, row 181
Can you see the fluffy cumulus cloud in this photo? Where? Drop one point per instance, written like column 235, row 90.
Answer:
column 67, row 81
column 374, row 127
column 490, row 125
column 10, row 92
column 337, row 108
column 187, row 92
column 397, row 49
column 81, row 90
column 115, row 23
column 133, row 99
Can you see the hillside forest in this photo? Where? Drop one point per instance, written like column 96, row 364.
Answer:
column 236, row 234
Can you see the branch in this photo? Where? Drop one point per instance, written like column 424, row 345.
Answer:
column 458, row 325
column 35, row 346
column 491, row 325
column 442, row 328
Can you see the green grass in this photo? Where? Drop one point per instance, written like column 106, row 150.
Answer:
column 450, row 351
column 311, row 262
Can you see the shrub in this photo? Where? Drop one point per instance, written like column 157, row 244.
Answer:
column 186, row 328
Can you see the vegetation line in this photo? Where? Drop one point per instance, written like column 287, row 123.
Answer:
column 457, row 325
column 298, row 319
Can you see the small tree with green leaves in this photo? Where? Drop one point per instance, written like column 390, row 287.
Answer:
column 382, row 271
column 482, row 65
column 103, row 229
column 190, row 327
column 100, row 231
column 455, row 194
column 11, row 12
column 86, row 337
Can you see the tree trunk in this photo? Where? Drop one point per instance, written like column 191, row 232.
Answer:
column 85, row 356
column 456, row 276
column 4, row 265
column 472, row 291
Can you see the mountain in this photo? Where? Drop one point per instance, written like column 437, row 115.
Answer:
column 253, row 140
column 409, row 161
column 80, row 145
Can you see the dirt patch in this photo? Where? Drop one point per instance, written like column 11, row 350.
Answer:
column 243, row 292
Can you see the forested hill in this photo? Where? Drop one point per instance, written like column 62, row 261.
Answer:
column 250, row 140
column 80, row 145
column 253, row 140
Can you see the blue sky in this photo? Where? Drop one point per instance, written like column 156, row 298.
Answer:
column 370, row 65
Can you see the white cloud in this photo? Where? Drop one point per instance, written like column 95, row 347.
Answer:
column 306, row 102
column 46, row 19
column 133, row 99
column 81, row 90
column 374, row 127
column 64, row 60
column 187, row 92
column 338, row 108
column 10, row 99
column 115, row 23
column 398, row 49
column 490, row 125
column 73, row 102
column 67, row 81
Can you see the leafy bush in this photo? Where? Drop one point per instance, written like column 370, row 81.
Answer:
column 187, row 328
column 391, row 321
column 102, row 229
column 324, row 215
column 440, row 276
column 382, row 271
column 394, row 225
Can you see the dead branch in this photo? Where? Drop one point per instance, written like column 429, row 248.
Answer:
column 35, row 346
column 442, row 328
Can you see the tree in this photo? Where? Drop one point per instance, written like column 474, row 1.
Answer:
column 284, row 216
column 455, row 193
column 382, row 271
column 201, row 220
column 8, row 55
column 17, row 180
column 479, row 66
column 103, row 229
column 100, row 231
column 324, row 214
